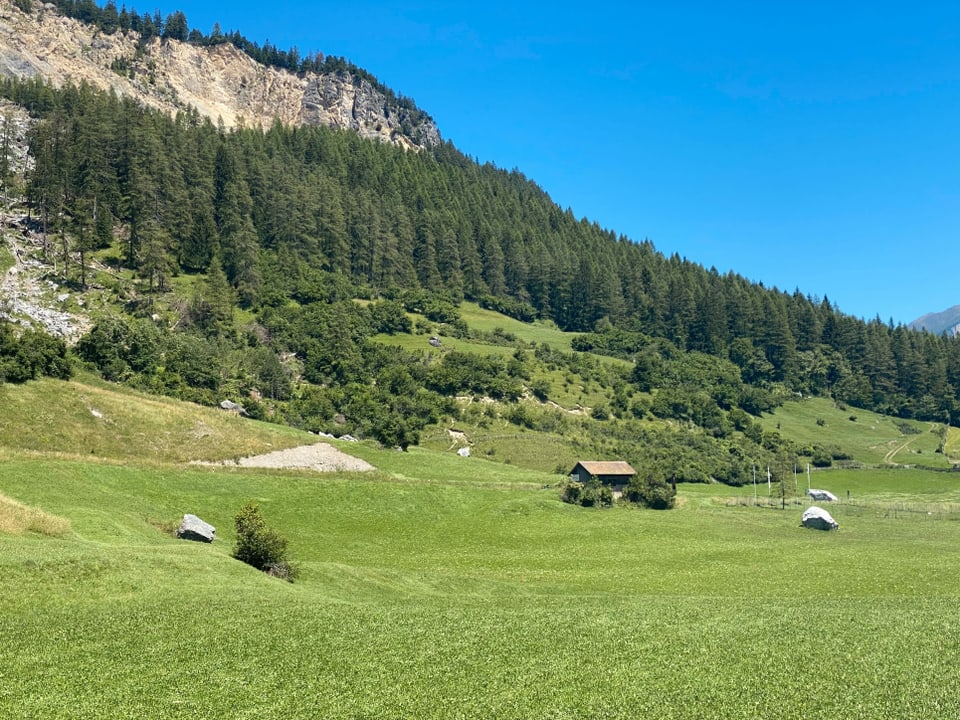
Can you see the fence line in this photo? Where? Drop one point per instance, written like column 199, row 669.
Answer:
column 891, row 510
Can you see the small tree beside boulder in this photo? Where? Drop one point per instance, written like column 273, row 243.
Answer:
column 260, row 546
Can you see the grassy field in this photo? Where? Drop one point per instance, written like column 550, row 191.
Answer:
column 448, row 587
column 870, row 438
column 421, row 344
column 509, row 445
column 437, row 600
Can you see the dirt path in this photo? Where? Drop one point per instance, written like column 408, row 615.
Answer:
column 888, row 458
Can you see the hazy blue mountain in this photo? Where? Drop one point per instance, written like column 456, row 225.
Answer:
column 947, row 321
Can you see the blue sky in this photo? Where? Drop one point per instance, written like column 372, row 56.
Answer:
column 815, row 146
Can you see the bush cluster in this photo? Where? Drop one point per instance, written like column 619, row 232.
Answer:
column 31, row 354
column 651, row 491
column 593, row 493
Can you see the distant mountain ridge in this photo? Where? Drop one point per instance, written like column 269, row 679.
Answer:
column 219, row 81
column 947, row 321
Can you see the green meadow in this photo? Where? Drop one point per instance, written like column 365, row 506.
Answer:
column 448, row 587
column 870, row 438
column 537, row 332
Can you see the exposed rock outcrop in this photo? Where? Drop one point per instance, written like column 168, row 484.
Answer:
column 220, row 81
column 26, row 295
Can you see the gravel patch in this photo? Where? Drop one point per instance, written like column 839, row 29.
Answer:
column 322, row 457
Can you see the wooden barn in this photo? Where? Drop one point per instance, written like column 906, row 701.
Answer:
column 616, row 473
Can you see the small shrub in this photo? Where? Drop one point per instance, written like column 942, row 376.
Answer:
column 571, row 492
column 652, row 492
column 596, row 494
column 283, row 570
column 822, row 460
column 540, row 389
column 260, row 546
column 600, row 412
column 906, row 428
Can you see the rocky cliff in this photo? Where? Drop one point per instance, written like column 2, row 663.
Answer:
column 220, row 81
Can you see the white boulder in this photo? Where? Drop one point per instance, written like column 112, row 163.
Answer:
column 818, row 519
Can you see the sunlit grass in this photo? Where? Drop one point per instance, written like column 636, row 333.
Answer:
column 442, row 598
column 537, row 332
column 18, row 519
column 421, row 344
column 869, row 437
column 440, row 586
column 104, row 421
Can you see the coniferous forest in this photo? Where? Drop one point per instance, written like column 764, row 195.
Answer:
column 290, row 226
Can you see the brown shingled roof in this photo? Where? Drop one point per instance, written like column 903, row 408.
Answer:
column 609, row 467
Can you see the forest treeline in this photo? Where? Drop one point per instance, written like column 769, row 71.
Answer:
column 280, row 212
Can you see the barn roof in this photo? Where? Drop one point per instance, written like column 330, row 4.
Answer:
column 607, row 467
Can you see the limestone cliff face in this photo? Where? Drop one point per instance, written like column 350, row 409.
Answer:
column 220, row 82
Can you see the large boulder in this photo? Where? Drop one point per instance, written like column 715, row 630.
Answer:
column 193, row 528
column 818, row 519
column 231, row 406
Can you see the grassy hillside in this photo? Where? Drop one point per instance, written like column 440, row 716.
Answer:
column 442, row 586
column 560, row 427
column 91, row 419
column 864, row 436
column 538, row 332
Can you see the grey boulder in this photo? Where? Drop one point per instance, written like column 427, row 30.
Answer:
column 193, row 528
